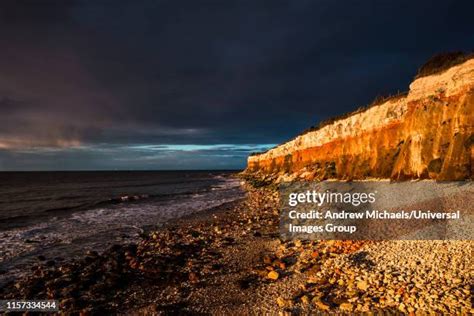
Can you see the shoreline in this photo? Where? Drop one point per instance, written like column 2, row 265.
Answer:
column 61, row 239
column 51, row 279
column 230, row 260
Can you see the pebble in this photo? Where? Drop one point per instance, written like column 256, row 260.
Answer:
column 304, row 300
column 362, row 285
column 348, row 307
column 322, row 306
column 273, row 275
column 281, row 302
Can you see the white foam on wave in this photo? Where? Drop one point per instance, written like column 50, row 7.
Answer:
column 228, row 184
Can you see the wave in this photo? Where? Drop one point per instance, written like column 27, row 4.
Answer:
column 121, row 199
column 105, row 224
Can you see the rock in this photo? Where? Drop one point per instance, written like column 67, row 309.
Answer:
column 322, row 306
column 348, row 307
column 267, row 259
column 66, row 303
column 273, row 275
column 281, row 302
column 313, row 280
column 92, row 253
column 362, row 285
column 401, row 307
column 193, row 277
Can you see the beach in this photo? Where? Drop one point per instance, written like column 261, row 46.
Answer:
column 58, row 216
column 230, row 260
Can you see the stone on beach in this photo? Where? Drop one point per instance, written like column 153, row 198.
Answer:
column 273, row 275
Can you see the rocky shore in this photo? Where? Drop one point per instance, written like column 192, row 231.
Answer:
column 231, row 261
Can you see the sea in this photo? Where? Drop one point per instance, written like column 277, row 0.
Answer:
column 60, row 215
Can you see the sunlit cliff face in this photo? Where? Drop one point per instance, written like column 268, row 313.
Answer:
column 427, row 134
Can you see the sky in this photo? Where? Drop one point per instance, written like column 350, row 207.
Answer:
column 151, row 85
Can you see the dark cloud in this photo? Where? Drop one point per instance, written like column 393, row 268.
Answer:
column 131, row 73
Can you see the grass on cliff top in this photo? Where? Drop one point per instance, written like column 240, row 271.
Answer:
column 377, row 101
column 441, row 62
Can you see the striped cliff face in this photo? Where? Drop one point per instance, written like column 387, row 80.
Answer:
column 428, row 133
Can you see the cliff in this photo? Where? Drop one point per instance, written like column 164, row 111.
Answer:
column 427, row 133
